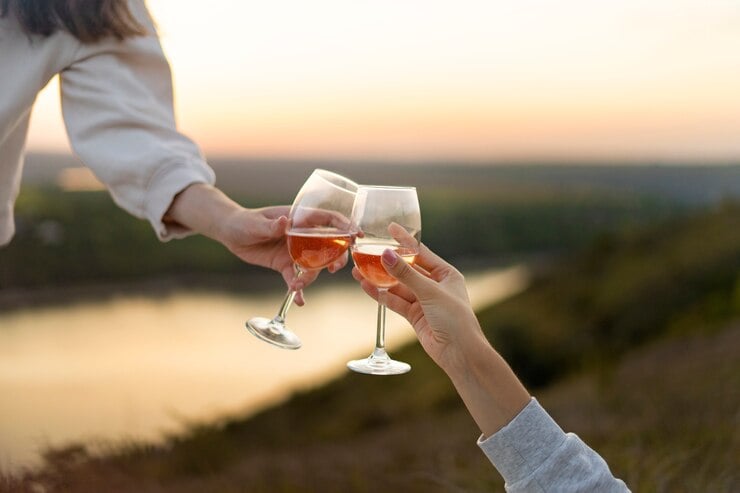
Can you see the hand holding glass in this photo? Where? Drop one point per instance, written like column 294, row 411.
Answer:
column 318, row 235
column 376, row 207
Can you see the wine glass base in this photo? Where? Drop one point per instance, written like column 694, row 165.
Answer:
column 383, row 365
column 273, row 332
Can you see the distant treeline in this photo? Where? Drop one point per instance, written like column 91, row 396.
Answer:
column 73, row 238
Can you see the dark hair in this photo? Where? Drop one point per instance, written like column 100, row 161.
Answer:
column 87, row 20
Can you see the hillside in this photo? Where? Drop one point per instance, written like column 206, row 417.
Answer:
column 634, row 344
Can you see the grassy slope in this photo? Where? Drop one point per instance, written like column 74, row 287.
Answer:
column 680, row 277
column 662, row 413
column 661, row 431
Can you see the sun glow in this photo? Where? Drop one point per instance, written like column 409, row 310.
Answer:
column 470, row 79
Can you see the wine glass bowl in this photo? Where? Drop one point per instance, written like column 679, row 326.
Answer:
column 319, row 232
column 376, row 209
column 367, row 258
column 316, row 249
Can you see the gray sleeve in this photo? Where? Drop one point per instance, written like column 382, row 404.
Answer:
column 533, row 454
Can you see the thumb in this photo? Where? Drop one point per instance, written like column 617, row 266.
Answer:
column 419, row 284
column 270, row 228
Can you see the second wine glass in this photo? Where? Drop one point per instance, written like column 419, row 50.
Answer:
column 318, row 234
column 376, row 208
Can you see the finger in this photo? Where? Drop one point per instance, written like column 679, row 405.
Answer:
column 339, row 263
column 432, row 265
column 366, row 285
column 275, row 211
column 311, row 218
column 369, row 288
column 436, row 267
column 402, row 236
column 294, row 283
column 340, row 221
column 398, row 304
column 421, row 270
column 393, row 302
column 432, row 262
column 398, row 290
column 403, row 292
column 297, row 283
column 267, row 229
column 419, row 284
column 305, row 279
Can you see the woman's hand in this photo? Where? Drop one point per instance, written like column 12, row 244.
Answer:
column 433, row 298
column 256, row 236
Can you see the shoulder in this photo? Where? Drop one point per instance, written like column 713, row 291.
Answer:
column 9, row 23
column 131, row 47
column 38, row 57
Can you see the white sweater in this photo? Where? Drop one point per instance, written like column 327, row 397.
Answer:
column 533, row 455
column 117, row 106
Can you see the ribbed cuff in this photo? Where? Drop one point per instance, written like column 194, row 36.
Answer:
column 162, row 189
column 524, row 444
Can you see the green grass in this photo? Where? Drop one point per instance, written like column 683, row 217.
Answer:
column 680, row 277
column 665, row 421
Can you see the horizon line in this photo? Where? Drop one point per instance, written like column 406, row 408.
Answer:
column 445, row 160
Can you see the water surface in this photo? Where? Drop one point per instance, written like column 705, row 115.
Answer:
column 137, row 368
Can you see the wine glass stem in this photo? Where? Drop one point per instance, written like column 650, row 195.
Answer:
column 288, row 301
column 380, row 337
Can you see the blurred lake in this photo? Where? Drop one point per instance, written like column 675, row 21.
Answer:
column 138, row 368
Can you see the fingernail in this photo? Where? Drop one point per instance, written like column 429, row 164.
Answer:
column 389, row 257
column 278, row 224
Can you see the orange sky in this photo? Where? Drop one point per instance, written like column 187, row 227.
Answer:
column 467, row 79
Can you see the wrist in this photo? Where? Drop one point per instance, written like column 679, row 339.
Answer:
column 231, row 227
column 206, row 210
column 469, row 361
column 490, row 389
column 468, row 351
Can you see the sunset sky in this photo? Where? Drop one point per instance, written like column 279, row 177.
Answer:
column 420, row 79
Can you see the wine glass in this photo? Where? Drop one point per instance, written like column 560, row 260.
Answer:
column 318, row 234
column 376, row 207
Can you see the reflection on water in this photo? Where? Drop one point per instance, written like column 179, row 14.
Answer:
column 135, row 368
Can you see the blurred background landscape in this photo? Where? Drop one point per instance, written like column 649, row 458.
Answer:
column 627, row 331
column 579, row 162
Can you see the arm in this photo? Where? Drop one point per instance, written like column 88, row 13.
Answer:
column 527, row 447
column 256, row 236
column 532, row 453
column 438, row 308
column 117, row 103
column 118, row 109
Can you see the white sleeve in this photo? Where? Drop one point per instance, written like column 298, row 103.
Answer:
column 533, row 454
column 118, row 108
